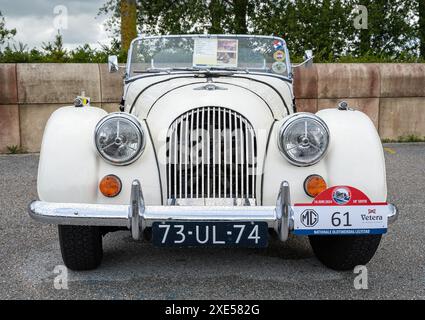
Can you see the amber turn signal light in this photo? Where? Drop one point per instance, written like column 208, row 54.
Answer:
column 314, row 184
column 110, row 186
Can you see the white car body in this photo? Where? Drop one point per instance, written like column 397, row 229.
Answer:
column 63, row 170
column 71, row 167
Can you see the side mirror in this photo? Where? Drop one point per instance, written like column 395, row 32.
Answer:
column 113, row 64
column 308, row 58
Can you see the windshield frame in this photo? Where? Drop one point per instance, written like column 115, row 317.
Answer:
column 205, row 69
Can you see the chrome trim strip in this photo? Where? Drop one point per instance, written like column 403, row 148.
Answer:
column 80, row 214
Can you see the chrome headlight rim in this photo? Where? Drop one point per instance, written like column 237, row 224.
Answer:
column 287, row 123
column 136, row 123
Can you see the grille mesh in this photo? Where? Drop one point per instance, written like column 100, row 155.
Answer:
column 211, row 153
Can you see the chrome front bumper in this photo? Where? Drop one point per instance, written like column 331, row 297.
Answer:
column 137, row 216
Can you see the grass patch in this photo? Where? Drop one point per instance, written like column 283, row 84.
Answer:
column 15, row 149
column 405, row 139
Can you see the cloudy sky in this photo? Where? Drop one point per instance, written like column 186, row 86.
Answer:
column 37, row 21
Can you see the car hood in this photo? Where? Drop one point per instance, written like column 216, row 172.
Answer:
column 177, row 93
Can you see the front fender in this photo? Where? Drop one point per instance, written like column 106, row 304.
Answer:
column 355, row 157
column 70, row 168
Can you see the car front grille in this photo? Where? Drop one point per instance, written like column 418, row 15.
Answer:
column 211, row 158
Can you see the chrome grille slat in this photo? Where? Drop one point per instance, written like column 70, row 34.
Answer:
column 219, row 122
column 214, row 154
column 192, row 124
column 224, row 153
column 175, row 160
column 231, row 153
column 236, row 159
column 186, row 154
column 211, row 154
column 253, row 175
column 180, row 156
column 242, row 158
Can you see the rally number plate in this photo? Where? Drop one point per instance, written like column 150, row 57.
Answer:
column 341, row 210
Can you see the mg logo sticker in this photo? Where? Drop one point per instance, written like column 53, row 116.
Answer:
column 309, row 218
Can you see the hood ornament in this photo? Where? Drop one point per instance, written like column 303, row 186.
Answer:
column 210, row 87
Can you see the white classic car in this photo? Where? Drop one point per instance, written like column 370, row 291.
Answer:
column 209, row 150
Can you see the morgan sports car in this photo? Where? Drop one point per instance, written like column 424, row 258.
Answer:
column 208, row 149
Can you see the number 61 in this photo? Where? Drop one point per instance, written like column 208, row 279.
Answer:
column 336, row 220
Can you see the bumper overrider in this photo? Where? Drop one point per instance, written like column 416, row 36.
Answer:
column 137, row 216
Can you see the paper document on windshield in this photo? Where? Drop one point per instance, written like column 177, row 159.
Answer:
column 215, row 52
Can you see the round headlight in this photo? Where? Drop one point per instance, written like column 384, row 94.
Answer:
column 303, row 139
column 119, row 138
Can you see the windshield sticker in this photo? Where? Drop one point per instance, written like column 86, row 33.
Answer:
column 215, row 52
column 279, row 55
column 279, row 67
column 227, row 53
column 278, row 44
column 205, row 52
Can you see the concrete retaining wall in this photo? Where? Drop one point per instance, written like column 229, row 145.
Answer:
column 393, row 95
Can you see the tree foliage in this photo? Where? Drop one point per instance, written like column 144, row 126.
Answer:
column 421, row 26
column 390, row 29
column 54, row 52
column 5, row 34
column 395, row 28
column 326, row 26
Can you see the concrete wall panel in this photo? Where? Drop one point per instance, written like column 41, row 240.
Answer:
column 402, row 80
column 111, row 84
column 33, row 119
column 401, row 117
column 8, row 90
column 9, row 127
column 57, row 83
column 350, row 80
column 306, row 105
column 305, row 82
column 111, row 107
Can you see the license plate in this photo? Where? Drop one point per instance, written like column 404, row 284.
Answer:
column 243, row 234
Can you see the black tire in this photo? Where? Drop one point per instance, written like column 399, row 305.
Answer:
column 344, row 252
column 81, row 247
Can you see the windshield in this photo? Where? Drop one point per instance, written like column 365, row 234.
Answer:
column 200, row 53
